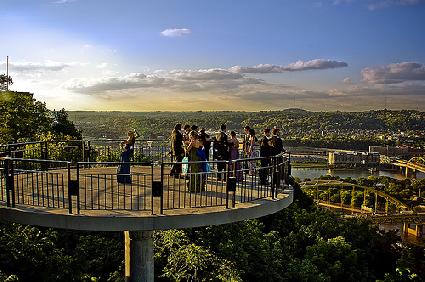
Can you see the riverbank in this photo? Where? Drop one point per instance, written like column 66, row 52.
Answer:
column 309, row 165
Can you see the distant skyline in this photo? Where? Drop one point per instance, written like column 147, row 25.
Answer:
column 181, row 55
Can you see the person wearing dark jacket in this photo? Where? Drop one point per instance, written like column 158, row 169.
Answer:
column 276, row 142
column 221, row 150
column 265, row 153
column 177, row 150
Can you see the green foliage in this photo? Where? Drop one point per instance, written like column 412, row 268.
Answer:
column 180, row 259
column 354, row 130
column 62, row 126
column 4, row 80
column 23, row 118
column 34, row 254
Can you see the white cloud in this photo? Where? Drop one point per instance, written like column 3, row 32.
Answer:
column 61, row 2
column 394, row 73
column 375, row 5
column 38, row 67
column 176, row 32
column 102, row 65
column 317, row 64
column 185, row 80
column 347, row 80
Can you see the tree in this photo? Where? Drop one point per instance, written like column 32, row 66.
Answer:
column 4, row 80
column 22, row 117
column 63, row 126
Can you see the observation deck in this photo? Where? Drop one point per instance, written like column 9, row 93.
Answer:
column 74, row 185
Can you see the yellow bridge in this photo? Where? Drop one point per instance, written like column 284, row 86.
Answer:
column 384, row 209
column 414, row 164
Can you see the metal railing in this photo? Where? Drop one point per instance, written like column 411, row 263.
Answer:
column 142, row 186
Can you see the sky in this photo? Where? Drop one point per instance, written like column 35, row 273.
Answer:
column 190, row 55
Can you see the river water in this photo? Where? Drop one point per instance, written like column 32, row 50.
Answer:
column 311, row 173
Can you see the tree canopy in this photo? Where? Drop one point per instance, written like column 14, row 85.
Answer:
column 23, row 118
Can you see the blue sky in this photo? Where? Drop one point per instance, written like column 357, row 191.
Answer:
column 212, row 55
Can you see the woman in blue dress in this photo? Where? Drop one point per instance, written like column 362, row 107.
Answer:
column 123, row 172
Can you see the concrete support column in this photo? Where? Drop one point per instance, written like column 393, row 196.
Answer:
column 139, row 262
column 376, row 201
column 386, row 205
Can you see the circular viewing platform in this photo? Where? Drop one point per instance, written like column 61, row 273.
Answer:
column 38, row 187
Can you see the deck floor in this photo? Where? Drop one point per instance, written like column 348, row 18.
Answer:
column 99, row 190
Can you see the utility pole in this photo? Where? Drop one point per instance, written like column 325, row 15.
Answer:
column 7, row 73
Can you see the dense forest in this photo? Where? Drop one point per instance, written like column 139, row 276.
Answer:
column 352, row 130
column 300, row 243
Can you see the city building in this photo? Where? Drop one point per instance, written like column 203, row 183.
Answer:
column 353, row 159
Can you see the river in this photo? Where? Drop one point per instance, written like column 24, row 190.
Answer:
column 311, row 173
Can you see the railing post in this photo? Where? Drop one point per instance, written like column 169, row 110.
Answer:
column 161, row 199
column 9, row 151
column 157, row 190
column 230, row 186
column 289, row 165
column 83, row 149
column 10, row 191
column 227, row 186
column 88, row 151
column 73, row 188
column 68, row 166
column 274, row 176
column 78, row 188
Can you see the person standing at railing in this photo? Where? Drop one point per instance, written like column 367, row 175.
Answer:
column 251, row 151
column 246, row 142
column 186, row 134
column 234, row 155
column 276, row 142
column 221, row 150
column 206, row 140
column 123, row 172
column 195, row 183
column 245, row 147
column 177, row 150
column 265, row 153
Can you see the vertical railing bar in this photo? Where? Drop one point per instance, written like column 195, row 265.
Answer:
column 91, row 190
column 42, row 188
column 98, row 191
column 162, row 188
column 69, row 194
column 105, row 188
column 51, row 187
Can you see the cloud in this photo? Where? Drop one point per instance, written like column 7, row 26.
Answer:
column 38, row 67
column 347, row 80
column 318, row 64
column 394, row 73
column 176, row 32
column 381, row 4
column 62, row 2
column 130, row 81
column 183, row 80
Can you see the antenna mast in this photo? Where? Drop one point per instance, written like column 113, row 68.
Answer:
column 7, row 73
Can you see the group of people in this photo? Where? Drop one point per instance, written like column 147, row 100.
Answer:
column 196, row 146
